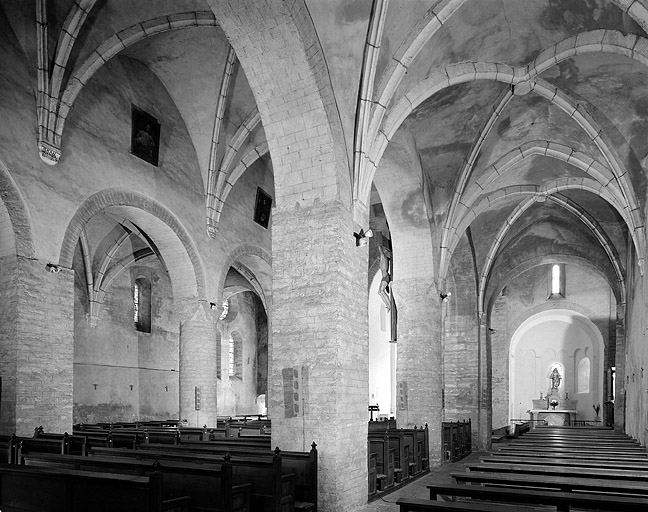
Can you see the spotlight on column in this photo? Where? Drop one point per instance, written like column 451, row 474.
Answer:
column 445, row 296
column 363, row 237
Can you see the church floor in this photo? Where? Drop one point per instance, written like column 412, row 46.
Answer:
column 418, row 488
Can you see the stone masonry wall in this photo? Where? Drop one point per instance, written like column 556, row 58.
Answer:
column 44, row 320
column 319, row 327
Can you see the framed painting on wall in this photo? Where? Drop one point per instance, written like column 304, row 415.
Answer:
column 145, row 136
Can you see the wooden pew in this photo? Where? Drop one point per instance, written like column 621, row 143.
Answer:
column 558, row 461
column 417, row 505
column 384, row 459
column 303, row 465
column 61, row 445
column 563, row 501
column 565, row 455
column 635, row 452
column 578, row 443
column 571, row 471
column 562, row 483
column 29, row 489
column 273, row 487
column 499, row 434
column 209, row 486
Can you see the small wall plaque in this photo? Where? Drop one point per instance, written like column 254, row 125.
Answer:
column 145, row 136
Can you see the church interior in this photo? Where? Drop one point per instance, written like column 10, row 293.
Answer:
column 300, row 209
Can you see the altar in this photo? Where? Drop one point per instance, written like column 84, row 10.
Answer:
column 554, row 417
column 555, row 409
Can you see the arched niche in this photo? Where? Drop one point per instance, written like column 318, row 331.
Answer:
column 555, row 339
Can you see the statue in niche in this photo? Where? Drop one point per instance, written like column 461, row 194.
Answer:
column 555, row 379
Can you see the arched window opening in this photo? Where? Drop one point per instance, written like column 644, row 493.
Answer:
column 235, row 353
column 142, row 304
column 584, row 375
column 557, row 281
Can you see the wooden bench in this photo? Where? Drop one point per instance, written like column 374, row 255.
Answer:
column 499, row 434
column 559, row 461
column 29, row 489
column 302, row 465
column 565, row 455
column 572, row 471
column 563, row 501
column 273, row 486
column 638, row 452
column 562, row 483
column 209, row 486
column 417, row 505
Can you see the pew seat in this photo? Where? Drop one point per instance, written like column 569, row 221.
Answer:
column 28, row 489
column 564, row 501
column 419, row 505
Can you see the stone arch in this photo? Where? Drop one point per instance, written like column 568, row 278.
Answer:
column 249, row 260
column 111, row 47
column 273, row 35
column 572, row 208
column 566, row 315
column 498, row 285
column 172, row 239
column 526, row 80
column 16, row 228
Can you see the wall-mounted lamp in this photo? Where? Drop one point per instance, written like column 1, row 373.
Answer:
column 445, row 296
column 363, row 237
column 51, row 267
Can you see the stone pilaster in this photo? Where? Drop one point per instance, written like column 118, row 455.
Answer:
column 318, row 382
column 484, row 425
column 419, row 368
column 620, row 380
column 198, row 339
column 36, row 346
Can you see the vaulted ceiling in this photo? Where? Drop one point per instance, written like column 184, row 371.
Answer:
column 527, row 118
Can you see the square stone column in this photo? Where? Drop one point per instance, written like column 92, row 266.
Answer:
column 419, row 370
column 318, row 376
column 36, row 346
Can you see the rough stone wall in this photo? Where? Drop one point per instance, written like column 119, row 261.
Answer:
column 114, row 355
column 461, row 342
column 634, row 384
column 319, row 326
column 43, row 326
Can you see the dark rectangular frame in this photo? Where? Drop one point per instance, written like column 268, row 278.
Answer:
column 262, row 208
column 143, row 123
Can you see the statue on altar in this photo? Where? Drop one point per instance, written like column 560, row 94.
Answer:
column 555, row 379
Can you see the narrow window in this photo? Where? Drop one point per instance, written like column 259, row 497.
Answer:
column 235, row 359
column 584, row 375
column 555, row 279
column 232, row 365
column 142, row 304
column 136, row 293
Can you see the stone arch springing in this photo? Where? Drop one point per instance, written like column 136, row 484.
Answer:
column 234, row 260
column 18, row 232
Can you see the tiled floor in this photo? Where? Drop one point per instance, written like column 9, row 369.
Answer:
column 418, row 489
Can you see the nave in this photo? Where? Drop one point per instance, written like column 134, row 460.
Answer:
column 548, row 468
